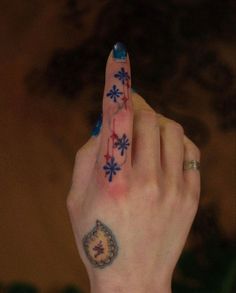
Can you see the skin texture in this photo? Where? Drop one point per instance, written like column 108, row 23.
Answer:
column 149, row 205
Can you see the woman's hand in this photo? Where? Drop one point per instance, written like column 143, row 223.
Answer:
column 131, row 203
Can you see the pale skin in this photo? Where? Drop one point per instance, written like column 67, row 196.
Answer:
column 148, row 206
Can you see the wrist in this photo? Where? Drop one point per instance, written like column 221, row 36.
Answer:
column 127, row 289
column 128, row 286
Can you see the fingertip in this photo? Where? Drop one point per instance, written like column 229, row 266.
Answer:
column 119, row 52
column 118, row 80
column 118, row 55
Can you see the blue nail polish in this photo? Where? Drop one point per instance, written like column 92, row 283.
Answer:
column 119, row 52
column 97, row 127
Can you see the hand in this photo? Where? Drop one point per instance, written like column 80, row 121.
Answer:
column 131, row 203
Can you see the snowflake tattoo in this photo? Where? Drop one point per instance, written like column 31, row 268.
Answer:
column 122, row 75
column 118, row 144
column 111, row 168
column 114, row 93
column 122, row 144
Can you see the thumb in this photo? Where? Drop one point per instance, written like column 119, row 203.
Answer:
column 86, row 158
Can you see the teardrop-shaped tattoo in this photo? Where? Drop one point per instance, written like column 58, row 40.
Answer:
column 100, row 246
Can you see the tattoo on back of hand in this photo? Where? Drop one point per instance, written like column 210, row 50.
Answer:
column 100, row 246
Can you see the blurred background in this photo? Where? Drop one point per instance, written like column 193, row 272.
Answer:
column 52, row 61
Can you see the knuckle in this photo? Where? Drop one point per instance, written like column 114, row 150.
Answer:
column 152, row 187
column 119, row 189
column 174, row 201
column 175, row 187
column 174, row 127
column 146, row 114
column 151, row 192
column 148, row 188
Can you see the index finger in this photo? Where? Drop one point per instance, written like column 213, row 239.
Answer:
column 116, row 137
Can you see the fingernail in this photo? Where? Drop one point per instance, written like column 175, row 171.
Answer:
column 97, row 127
column 119, row 52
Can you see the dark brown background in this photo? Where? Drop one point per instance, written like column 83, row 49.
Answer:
column 52, row 60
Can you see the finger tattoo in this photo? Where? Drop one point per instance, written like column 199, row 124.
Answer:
column 117, row 145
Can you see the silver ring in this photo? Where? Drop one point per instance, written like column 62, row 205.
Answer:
column 192, row 165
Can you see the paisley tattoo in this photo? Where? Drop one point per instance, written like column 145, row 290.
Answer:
column 100, row 246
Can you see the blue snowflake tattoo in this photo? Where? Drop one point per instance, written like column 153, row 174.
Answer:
column 122, row 75
column 122, row 144
column 114, row 93
column 111, row 168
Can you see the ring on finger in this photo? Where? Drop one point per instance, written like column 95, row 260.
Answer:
column 192, row 165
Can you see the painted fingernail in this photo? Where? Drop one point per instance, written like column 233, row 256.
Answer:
column 97, row 127
column 119, row 52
